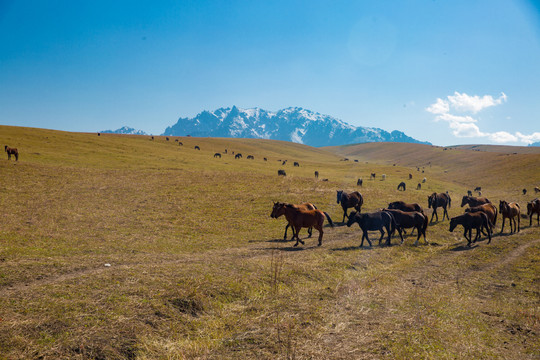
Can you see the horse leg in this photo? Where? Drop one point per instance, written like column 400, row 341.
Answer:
column 344, row 215
column 310, row 231
column 382, row 235
column 285, row 236
column 519, row 221
column 502, row 227
column 419, row 231
column 320, row 230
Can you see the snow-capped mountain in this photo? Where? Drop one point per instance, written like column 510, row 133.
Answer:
column 291, row 124
column 125, row 130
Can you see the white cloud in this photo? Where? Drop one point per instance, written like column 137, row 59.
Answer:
column 440, row 107
column 465, row 103
column 464, row 126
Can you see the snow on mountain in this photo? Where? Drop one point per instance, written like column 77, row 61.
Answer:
column 125, row 130
column 291, row 124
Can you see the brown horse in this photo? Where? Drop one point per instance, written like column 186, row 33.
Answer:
column 469, row 221
column 354, row 199
column 299, row 218
column 403, row 206
column 533, row 207
column 401, row 186
column 305, row 206
column 510, row 211
column 439, row 200
column 12, row 151
column 406, row 220
column 474, row 201
column 489, row 209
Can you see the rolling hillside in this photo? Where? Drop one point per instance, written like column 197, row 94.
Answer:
column 124, row 247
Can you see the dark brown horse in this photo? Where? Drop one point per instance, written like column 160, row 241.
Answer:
column 533, row 207
column 12, row 151
column 469, row 221
column 474, row 201
column 439, row 200
column 217, row 155
column 407, row 220
column 510, row 211
column 489, row 209
column 401, row 186
column 305, row 206
column 238, row 156
column 299, row 218
column 378, row 220
column 354, row 199
column 403, row 206
column 281, row 172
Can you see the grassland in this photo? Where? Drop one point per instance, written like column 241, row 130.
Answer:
column 198, row 269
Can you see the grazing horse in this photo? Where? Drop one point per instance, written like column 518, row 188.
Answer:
column 281, row 173
column 238, row 156
column 217, row 155
column 478, row 188
column 469, row 193
column 524, row 191
column 439, row 200
column 299, row 218
column 489, row 209
column 536, row 189
column 197, row 147
column 403, row 206
column 533, row 207
column 373, row 175
column 284, row 162
column 265, row 159
column 180, row 143
column 406, row 220
column 250, row 157
column 378, row 220
column 424, row 180
column 474, row 201
column 410, row 176
column 12, row 151
column 401, row 186
column 383, row 177
column 510, row 211
column 316, row 174
column 354, row 199
column 359, row 182
column 304, row 206
column 470, row 221
column 296, row 164
column 419, row 186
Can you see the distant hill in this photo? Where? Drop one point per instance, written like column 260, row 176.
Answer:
column 292, row 124
column 125, row 130
column 535, row 144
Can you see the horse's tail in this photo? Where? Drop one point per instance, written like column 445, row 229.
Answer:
column 328, row 218
column 495, row 218
column 449, row 201
column 424, row 227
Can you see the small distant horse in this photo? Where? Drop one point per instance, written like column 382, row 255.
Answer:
column 378, row 220
column 489, row 209
column 175, row 140
column 354, row 199
column 469, row 193
column 533, row 207
column 406, row 220
column 510, row 211
column 469, row 221
column 474, row 201
column 401, row 186
column 238, row 156
column 316, row 174
column 299, row 218
column 225, row 151
column 383, row 177
column 359, row 182
column 373, row 175
column 424, row 180
column 167, row 138
column 410, row 176
column 296, row 164
column 281, row 173
column 439, row 200
column 250, row 157
column 536, row 189
column 524, row 191
column 478, row 188
column 12, row 151
column 419, row 186
column 180, row 143
column 217, row 155
column 197, row 147
column 305, row 206
column 284, row 162
column 265, row 159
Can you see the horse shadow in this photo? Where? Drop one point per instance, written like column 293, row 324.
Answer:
column 349, row 248
column 464, row 247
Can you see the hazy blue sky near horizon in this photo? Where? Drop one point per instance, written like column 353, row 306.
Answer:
column 448, row 72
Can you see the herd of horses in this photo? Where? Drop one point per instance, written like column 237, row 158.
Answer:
column 481, row 215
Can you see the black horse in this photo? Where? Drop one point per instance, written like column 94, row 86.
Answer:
column 354, row 199
column 439, row 200
column 378, row 220
column 401, row 186
column 469, row 221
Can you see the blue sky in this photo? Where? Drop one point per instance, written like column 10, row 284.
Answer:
column 449, row 72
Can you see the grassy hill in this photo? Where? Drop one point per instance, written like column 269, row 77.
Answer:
column 123, row 247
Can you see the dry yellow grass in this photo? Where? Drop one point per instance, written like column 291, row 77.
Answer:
column 198, row 269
